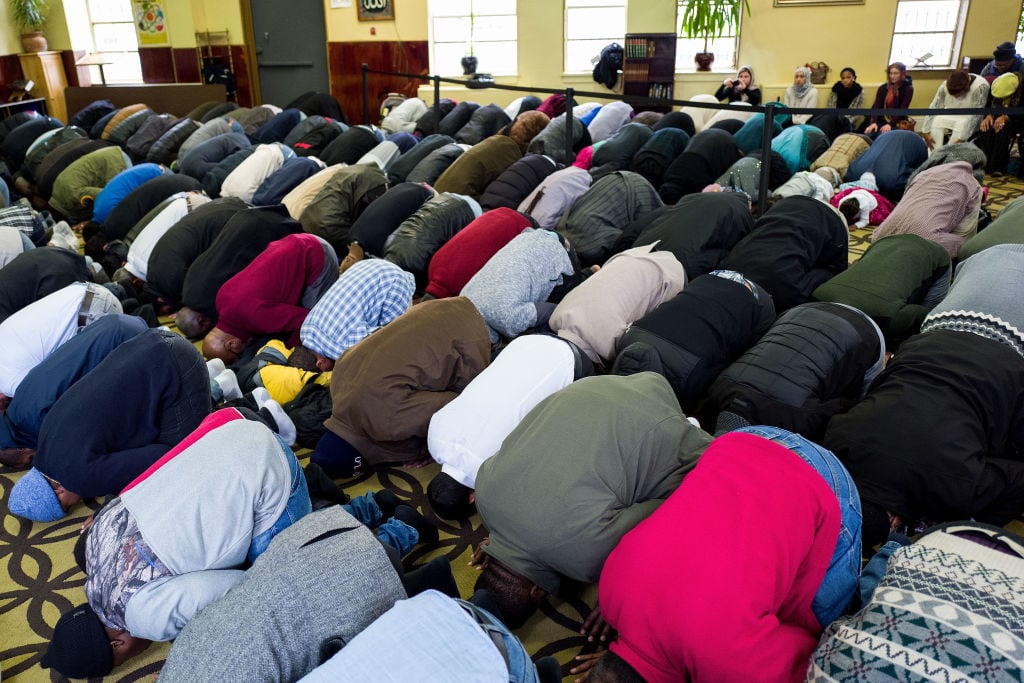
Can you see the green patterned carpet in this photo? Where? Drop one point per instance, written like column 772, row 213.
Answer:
column 39, row 580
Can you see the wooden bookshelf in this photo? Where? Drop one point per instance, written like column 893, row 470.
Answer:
column 649, row 68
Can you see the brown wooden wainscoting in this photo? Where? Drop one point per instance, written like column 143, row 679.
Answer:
column 345, row 66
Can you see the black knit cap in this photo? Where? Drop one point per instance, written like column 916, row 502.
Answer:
column 449, row 498
column 79, row 647
column 1006, row 50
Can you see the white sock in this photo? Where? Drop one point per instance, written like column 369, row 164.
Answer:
column 261, row 396
column 285, row 426
column 215, row 366
column 228, row 384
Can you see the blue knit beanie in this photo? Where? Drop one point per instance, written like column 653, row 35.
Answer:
column 33, row 498
column 336, row 456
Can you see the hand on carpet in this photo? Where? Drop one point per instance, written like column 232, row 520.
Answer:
column 586, row 663
column 594, row 626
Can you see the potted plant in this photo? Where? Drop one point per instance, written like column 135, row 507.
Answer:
column 709, row 19
column 30, row 17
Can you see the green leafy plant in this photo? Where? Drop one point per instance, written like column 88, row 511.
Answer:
column 29, row 15
column 710, row 19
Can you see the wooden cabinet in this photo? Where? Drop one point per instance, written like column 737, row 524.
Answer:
column 47, row 70
column 649, row 68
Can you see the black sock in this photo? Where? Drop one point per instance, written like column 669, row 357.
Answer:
column 408, row 514
column 323, row 487
column 387, row 501
column 436, row 574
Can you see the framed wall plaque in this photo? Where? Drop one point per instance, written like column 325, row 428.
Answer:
column 798, row 3
column 376, row 10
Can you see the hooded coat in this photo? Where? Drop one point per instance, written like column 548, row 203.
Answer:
column 700, row 230
column 473, row 171
column 340, row 201
column 516, row 182
column 384, row 214
column 797, row 245
column 418, row 238
column 706, row 157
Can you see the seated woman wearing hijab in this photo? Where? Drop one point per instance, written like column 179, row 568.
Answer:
column 895, row 93
column 801, row 95
column 740, row 89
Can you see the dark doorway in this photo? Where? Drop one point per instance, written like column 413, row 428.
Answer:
column 290, row 41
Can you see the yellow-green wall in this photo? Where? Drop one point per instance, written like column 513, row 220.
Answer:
column 774, row 39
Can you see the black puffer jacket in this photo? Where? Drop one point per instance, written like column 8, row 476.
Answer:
column 485, row 122
column 811, row 365
column 383, row 216
column 700, row 230
column 517, row 181
column 165, row 149
column 419, row 237
column 458, row 117
column 694, row 336
column 594, row 223
column 37, row 273
column 148, row 133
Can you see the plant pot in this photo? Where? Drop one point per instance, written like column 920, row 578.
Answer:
column 469, row 64
column 704, row 60
column 34, row 42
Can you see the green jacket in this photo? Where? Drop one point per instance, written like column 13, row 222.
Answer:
column 78, row 185
column 584, row 467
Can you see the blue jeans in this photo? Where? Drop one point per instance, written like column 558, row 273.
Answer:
column 520, row 667
column 393, row 532
column 297, row 507
column 840, row 582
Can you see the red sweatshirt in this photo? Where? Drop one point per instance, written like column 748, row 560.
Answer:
column 263, row 298
column 464, row 254
column 717, row 584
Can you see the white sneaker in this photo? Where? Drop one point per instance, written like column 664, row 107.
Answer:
column 228, row 383
column 215, row 366
column 285, row 426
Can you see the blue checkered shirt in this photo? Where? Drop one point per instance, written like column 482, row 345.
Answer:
column 366, row 297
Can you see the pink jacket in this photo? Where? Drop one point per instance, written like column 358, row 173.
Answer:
column 717, row 584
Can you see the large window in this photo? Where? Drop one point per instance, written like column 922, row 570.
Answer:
column 486, row 29
column 106, row 29
column 928, row 32
column 589, row 26
column 724, row 48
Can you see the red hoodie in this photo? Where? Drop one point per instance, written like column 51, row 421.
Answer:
column 717, row 584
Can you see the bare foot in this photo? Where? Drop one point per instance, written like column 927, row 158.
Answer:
column 18, row 458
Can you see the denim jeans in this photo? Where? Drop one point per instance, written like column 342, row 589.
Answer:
column 297, row 507
column 180, row 416
column 840, row 582
column 392, row 532
column 520, row 667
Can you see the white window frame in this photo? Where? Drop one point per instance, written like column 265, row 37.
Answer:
column 953, row 37
column 726, row 46
column 439, row 12
column 593, row 44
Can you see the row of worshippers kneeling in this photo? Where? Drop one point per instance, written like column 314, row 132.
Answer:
column 698, row 308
